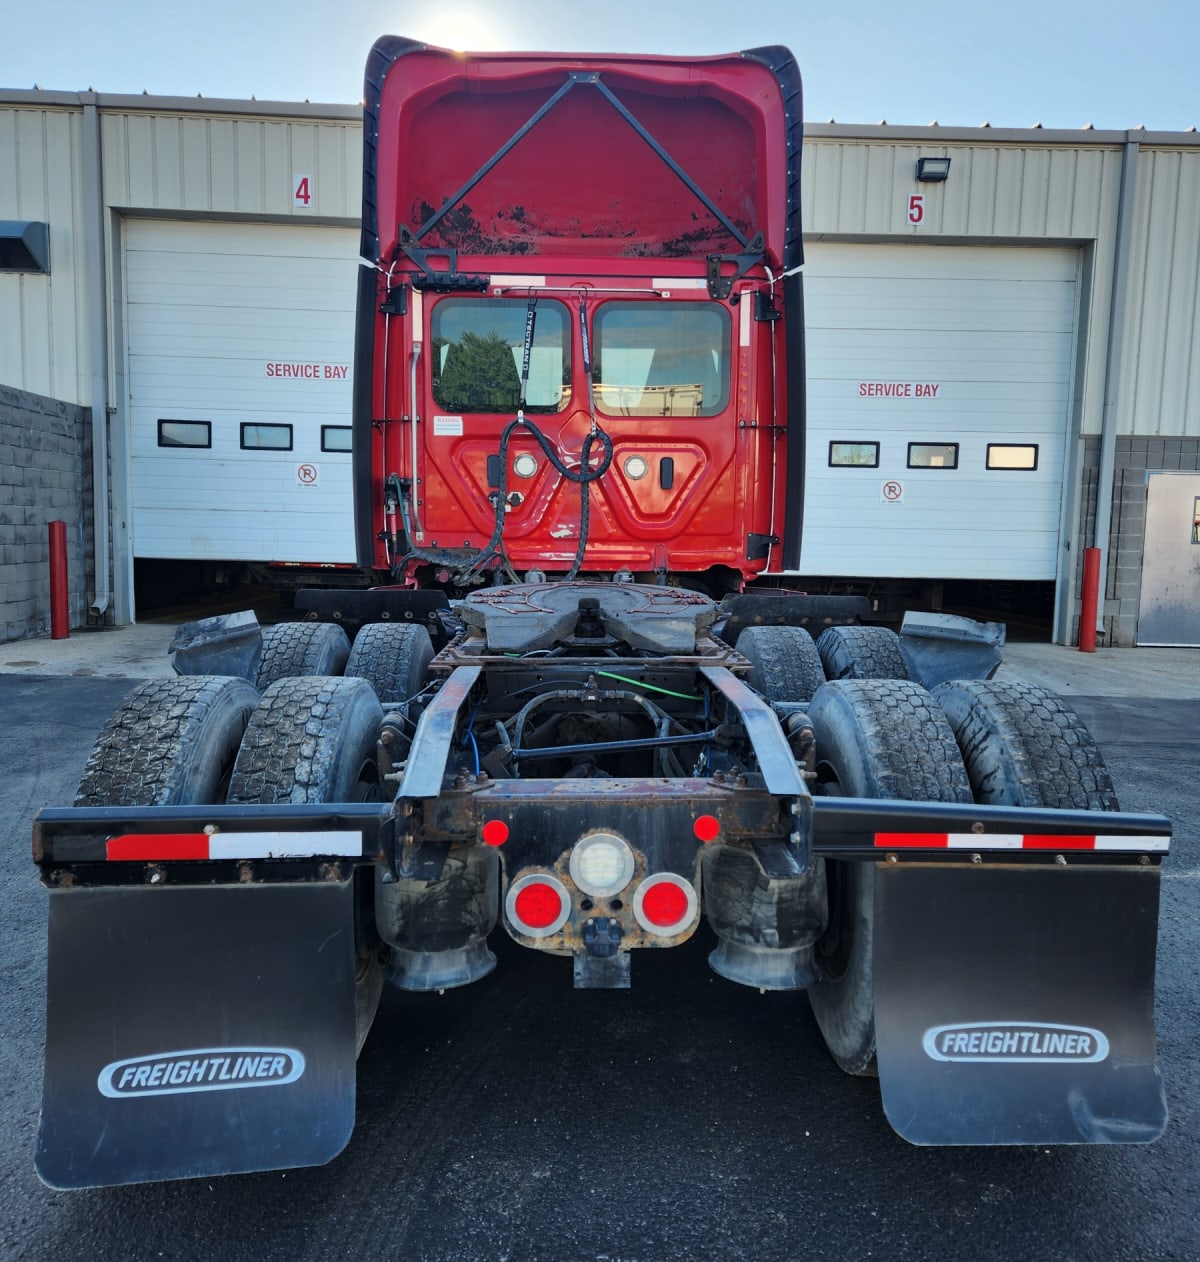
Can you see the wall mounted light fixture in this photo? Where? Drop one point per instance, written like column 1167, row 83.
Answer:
column 933, row 170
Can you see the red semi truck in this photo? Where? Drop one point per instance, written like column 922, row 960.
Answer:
column 575, row 709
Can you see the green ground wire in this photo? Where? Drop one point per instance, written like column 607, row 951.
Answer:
column 639, row 683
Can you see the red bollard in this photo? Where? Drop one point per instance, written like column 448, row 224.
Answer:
column 1090, row 601
column 60, row 619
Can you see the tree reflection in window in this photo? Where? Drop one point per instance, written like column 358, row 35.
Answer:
column 478, row 346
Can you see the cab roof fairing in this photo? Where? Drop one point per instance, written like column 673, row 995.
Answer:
column 581, row 181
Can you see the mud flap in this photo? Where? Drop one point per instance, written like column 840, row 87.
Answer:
column 197, row 1031
column 1015, row 1005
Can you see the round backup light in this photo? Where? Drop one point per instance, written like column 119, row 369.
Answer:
column 665, row 904
column 525, row 465
column 636, row 467
column 537, row 905
column 601, row 864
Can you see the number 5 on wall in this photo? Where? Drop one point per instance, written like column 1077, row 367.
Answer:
column 916, row 208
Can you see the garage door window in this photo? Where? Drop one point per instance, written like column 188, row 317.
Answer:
column 266, row 437
column 185, row 433
column 933, row 455
column 854, row 455
column 1012, row 456
column 335, row 438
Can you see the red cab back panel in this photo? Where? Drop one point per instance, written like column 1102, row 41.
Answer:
column 597, row 243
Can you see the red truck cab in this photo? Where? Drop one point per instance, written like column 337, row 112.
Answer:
column 606, row 249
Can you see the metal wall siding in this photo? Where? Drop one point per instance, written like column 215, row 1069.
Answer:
column 196, row 154
column 170, row 163
column 39, row 315
column 1162, row 351
column 1013, row 191
column 246, row 185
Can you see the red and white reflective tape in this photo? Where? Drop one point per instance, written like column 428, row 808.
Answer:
column 1019, row 841
column 155, row 846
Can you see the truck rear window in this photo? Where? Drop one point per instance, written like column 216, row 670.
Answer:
column 661, row 358
column 478, row 346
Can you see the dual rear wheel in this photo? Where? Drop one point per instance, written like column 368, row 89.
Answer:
column 997, row 743
column 311, row 738
column 787, row 666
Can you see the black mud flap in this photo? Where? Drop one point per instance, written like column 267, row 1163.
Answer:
column 197, row 1031
column 1015, row 1005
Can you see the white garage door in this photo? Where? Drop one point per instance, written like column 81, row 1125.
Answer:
column 938, row 404
column 239, row 348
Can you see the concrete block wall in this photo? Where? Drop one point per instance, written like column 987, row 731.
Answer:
column 1132, row 460
column 45, row 476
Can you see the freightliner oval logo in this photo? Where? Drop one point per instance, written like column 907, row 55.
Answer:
column 201, row 1069
column 1016, row 1042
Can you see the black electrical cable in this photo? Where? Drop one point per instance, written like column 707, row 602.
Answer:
column 585, row 475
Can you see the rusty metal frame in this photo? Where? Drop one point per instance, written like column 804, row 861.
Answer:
column 426, row 764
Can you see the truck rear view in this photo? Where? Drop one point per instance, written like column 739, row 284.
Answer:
column 578, row 439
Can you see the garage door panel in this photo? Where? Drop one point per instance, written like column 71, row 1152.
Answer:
column 1024, row 359
column 884, row 262
column 209, row 307
column 255, row 293
column 233, row 324
column 227, row 239
column 992, row 328
column 232, row 385
column 887, row 313
column 1027, row 404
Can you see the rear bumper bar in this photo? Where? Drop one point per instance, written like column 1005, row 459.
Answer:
column 114, row 845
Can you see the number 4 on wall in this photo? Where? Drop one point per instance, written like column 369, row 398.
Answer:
column 301, row 190
column 916, row 208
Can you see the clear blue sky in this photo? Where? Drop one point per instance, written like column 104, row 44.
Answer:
column 1013, row 63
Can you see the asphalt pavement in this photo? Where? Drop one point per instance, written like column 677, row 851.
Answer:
column 687, row 1118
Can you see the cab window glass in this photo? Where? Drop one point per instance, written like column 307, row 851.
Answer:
column 478, row 346
column 661, row 358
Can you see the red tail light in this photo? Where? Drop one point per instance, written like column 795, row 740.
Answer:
column 537, row 905
column 665, row 904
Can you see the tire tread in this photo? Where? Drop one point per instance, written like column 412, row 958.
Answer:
column 394, row 658
column 301, row 648
column 784, row 663
column 861, row 653
column 152, row 747
column 1024, row 746
column 296, row 738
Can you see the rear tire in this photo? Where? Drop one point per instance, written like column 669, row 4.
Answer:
column 301, row 648
column 875, row 739
column 314, row 740
column 310, row 740
column 393, row 658
column 172, row 742
column 1023, row 746
column 784, row 663
column 861, row 653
